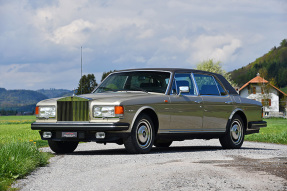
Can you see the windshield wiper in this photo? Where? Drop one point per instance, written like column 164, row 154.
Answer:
column 105, row 89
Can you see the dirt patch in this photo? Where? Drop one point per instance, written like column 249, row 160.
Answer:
column 275, row 166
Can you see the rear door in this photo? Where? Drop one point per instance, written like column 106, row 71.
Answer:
column 217, row 104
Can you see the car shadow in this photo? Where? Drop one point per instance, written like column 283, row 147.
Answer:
column 156, row 150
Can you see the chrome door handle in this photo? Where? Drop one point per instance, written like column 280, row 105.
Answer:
column 229, row 102
column 197, row 101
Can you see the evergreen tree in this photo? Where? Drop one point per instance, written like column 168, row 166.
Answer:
column 105, row 74
column 283, row 42
column 86, row 84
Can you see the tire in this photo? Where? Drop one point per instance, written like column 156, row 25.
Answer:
column 61, row 147
column 234, row 137
column 162, row 143
column 142, row 136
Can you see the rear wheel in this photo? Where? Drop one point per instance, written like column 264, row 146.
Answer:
column 142, row 136
column 234, row 137
column 61, row 147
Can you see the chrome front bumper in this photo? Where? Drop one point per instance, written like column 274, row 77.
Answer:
column 83, row 126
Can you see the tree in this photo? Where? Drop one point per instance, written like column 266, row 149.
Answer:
column 215, row 67
column 283, row 42
column 86, row 84
column 265, row 95
column 263, row 73
column 105, row 74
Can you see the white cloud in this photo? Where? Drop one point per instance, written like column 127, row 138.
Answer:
column 40, row 40
column 73, row 33
column 221, row 48
column 130, row 58
column 176, row 44
column 146, row 34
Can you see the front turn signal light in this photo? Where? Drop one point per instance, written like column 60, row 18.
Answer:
column 37, row 110
column 119, row 110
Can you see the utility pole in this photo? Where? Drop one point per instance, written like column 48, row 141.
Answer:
column 81, row 71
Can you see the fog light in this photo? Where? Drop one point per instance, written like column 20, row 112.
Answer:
column 47, row 135
column 100, row 135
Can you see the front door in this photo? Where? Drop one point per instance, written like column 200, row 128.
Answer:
column 186, row 109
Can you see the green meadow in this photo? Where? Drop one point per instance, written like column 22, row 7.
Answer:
column 275, row 132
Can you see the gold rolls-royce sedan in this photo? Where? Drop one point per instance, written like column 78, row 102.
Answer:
column 144, row 107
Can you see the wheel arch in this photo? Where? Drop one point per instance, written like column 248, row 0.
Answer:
column 241, row 114
column 151, row 113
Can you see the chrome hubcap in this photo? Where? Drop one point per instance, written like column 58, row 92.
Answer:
column 144, row 134
column 236, row 132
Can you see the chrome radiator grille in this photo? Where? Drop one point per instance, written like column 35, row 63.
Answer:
column 73, row 110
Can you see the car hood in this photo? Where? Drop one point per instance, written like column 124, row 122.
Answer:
column 109, row 98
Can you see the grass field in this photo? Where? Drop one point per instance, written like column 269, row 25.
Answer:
column 19, row 149
column 18, row 128
column 275, row 132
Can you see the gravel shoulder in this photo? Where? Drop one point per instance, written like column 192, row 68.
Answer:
column 187, row 165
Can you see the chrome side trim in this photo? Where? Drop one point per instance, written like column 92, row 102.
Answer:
column 193, row 131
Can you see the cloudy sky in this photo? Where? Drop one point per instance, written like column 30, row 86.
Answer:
column 40, row 41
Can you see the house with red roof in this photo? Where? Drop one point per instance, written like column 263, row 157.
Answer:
column 272, row 98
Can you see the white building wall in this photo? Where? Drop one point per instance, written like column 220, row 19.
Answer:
column 244, row 93
column 273, row 95
column 272, row 110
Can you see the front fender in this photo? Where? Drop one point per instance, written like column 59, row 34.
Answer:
column 139, row 111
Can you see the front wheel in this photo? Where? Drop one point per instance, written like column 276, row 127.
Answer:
column 142, row 136
column 234, row 137
column 61, row 147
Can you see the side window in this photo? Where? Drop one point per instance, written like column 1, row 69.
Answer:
column 183, row 79
column 206, row 85
column 222, row 91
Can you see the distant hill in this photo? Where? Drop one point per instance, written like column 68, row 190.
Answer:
column 272, row 66
column 52, row 93
column 19, row 100
column 24, row 101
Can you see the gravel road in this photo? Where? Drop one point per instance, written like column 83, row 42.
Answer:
column 187, row 165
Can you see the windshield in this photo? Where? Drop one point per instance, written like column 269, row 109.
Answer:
column 147, row 81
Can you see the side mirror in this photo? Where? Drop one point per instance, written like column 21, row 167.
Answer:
column 183, row 89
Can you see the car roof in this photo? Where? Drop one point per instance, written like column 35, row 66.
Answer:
column 226, row 84
column 164, row 69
